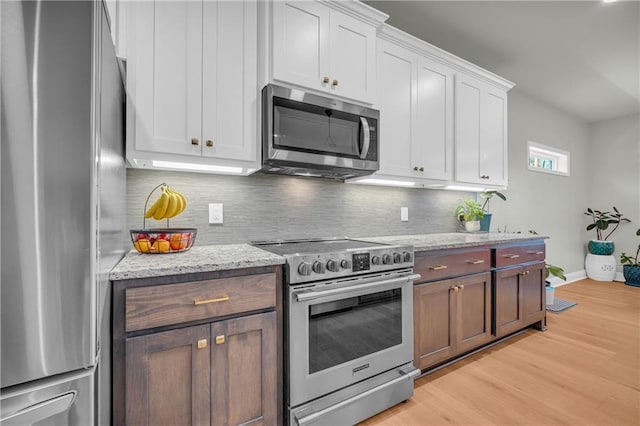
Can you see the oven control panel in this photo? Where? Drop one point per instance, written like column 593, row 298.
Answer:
column 314, row 267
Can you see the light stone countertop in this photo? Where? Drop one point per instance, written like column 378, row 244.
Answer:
column 196, row 259
column 425, row 242
column 238, row 256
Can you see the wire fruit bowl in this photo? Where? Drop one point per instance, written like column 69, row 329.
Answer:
column 163, row 240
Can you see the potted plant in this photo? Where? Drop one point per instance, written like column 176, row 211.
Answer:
column 600, row 264
column 631, row 267
column 485, row 222
column 601, row 222
column 470, row 211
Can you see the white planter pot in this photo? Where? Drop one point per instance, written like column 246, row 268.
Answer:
column 601, row 268
column 472, row 226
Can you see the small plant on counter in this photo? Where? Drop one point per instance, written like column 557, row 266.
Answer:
column 488, row 195
column 470, row 210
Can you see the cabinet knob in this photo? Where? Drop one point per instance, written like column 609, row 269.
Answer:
column 421, row 169
column 202, row 343
column 415, row 168
column 195, row 141
column 325, row 80
column 220, row 339
column 461, row 287
column 334, row 83
column 524, row 273
column 209, row 143
column 455, row 288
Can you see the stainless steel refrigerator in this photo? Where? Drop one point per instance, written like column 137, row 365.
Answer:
column 63, row 210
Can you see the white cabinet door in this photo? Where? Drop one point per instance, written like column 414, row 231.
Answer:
column 433, row 131
column 494, row 138
column 352, row 58
column 396, row 89
column 229, row 80
column 481, row 133
column 300, row 43
column 164, row 75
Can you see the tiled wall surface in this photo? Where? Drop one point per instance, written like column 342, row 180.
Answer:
column 262, row 207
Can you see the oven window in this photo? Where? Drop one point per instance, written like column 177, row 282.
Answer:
column 347, row 329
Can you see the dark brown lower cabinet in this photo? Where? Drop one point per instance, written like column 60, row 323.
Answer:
column 519, row 297
column 451, row 317
column 216, row 374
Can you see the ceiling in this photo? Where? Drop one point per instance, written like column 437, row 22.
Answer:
column 581, row 57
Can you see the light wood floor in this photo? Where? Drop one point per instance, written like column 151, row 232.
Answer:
column 584, row 370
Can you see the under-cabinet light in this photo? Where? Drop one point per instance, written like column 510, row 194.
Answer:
column 201, row 167
column 464, row 188
column 386, row 182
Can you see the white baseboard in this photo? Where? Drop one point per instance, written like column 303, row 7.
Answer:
column 571, row 277
column 577, row 276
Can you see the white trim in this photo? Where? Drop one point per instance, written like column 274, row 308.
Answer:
column 571, row 277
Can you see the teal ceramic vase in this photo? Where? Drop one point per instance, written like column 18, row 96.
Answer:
column 485, row 222
column 631, row 274
column 602, row 248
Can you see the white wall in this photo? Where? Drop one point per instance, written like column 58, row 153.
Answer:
column 615, row 175
column 550, row 204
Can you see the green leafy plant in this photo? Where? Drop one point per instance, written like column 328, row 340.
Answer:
column 628, row 260
column 487, row 195
column 602, row 220
column 469, row 210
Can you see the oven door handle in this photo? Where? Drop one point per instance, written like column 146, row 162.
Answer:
column 310, row 295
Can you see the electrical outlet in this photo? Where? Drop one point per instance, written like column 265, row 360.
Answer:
column 215, row 214
column 404, row 214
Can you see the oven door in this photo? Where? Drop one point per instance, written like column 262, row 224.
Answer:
column 345, row 331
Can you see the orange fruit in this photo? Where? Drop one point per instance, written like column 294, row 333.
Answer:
column 142, row 245
column 161, row 246
column 178, row 242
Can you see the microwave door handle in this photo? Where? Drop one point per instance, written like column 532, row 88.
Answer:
column 365, row 138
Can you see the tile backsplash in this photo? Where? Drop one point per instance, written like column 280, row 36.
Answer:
column 261, row 207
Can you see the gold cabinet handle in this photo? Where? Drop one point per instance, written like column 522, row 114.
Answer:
column 209, row 143
column 524, row 273
column 325, row 80
column 334, row 83
column 220, row 339
column 195, row 141
column 475, row 261
column 202, row 343
column 511, row 256
column 455, row 288
column 535, row 252
column 207, row 301
column 438, row 267
column 461, row 287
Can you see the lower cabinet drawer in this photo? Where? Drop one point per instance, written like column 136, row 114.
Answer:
column 155, row 306
column 452, row 263
column 514, row 255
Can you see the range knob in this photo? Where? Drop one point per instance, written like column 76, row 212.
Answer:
column 397, row 258
column 387, row 259
column 407, row 256
column 375, row 260
column 304, row 268
column 318, row 267
column 333, row 265
column 345, row 264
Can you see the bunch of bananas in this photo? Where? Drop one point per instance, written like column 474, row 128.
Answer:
column 170, row 204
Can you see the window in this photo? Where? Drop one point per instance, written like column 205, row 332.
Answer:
column 546, row 159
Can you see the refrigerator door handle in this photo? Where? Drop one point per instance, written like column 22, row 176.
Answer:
column 41, row 410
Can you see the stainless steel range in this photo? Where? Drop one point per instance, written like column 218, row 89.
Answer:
column 348, row 328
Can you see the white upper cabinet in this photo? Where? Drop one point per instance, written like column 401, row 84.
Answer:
column 415, row 98
column 481, row 132
column 326, row 47
column 192, row 82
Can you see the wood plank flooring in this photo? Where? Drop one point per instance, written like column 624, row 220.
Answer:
column 584, row 370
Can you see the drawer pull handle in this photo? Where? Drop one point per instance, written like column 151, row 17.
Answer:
column 535, row 252
column 511, row 256
column 202, row 343
column 524, row 273
column 207, row 301
column 220, row 339
column 438, row 267
column 475, row 261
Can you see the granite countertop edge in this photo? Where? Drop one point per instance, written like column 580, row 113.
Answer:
column 239, row 256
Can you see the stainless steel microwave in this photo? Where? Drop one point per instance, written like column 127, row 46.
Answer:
column 310, row 135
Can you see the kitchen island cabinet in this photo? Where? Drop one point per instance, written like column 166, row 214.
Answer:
column 198, row 348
